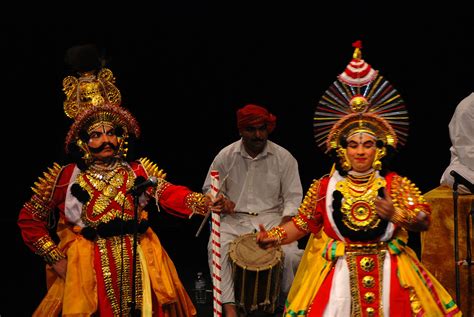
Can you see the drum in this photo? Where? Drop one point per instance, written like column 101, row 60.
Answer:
column 256, row 274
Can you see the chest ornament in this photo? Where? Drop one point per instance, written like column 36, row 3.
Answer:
column 358, row 205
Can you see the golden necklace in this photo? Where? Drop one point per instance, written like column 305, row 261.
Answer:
column 358, row 206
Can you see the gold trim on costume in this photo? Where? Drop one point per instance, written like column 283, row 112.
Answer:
column 277, row 232
column 38, row 208
column 111, row 265
column 367, row 259
column 151, row 168
column 45, row 185
column 160, row 188
column 89, row 90
column 197, row 202
column 408, row 201
column 47, row 248
column 358, row 206
column 308, row 206
column 105, row 185
column 43, row 189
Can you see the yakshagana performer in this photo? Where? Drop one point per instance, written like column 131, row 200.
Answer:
column 357, row 262
column 90, row 269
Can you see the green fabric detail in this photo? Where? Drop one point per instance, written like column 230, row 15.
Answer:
column 394, row 248
column 449, row 305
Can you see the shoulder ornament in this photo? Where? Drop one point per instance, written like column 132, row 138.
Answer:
column 407, row 200
column 43, row 190
column 151, row 168
column 45, row 185
column 307, row 207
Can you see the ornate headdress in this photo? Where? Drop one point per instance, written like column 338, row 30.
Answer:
column 360, row 100
column 93, row 98
column 89, row 89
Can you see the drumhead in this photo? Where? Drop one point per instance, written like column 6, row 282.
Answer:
column 245, row 252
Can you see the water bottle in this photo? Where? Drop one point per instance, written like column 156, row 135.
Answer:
column 200, row 289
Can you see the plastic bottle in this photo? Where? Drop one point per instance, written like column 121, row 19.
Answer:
column 200, row 289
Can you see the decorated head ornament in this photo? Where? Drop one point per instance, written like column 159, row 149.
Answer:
column 360, row 101
column 94, row 85
column 255, row 115
column 92, row 99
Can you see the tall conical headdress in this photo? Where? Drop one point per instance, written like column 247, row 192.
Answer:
column 360, row 100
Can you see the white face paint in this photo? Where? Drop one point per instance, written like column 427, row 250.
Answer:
column 361, row 137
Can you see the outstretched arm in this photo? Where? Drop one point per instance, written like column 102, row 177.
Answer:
column 284, row 234
column 294, row 228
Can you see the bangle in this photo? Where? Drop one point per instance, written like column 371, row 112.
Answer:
column 46, row 248
column 197, row 202
column 402, row 218
column 54, row 256
column 277, row 232
column 301, row 223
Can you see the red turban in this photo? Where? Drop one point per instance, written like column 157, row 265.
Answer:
column 255, row 115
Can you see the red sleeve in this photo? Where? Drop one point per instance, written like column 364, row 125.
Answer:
column 173, row 200
column 317, row 221
column 34, row 217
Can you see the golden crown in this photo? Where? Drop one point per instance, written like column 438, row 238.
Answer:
column 90, row 89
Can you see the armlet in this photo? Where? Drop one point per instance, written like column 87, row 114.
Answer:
column 307, row 207
column 46, row 248
column 407, row 200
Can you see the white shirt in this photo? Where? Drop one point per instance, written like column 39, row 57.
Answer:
column 461, row 132
column 268, row 184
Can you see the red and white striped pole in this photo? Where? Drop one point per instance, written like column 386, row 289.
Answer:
column 216, row 248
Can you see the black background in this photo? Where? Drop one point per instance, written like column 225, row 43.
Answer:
column 185, row 68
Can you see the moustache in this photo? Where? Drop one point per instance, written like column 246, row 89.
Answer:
column 102, row 147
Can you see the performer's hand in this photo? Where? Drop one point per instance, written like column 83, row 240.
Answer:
column 60, row 268
column 384, row 206
column 223, row 205
column 263, row 240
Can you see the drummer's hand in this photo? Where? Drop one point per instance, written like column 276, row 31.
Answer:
column 263, row 240
column 222, row 205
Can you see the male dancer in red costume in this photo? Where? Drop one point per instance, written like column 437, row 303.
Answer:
column 90, row 270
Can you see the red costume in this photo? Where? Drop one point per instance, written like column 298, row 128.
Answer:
column 96, row 224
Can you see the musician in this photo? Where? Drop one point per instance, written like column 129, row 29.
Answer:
column 259, row 177
column 461, row 133
column 357, row 262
